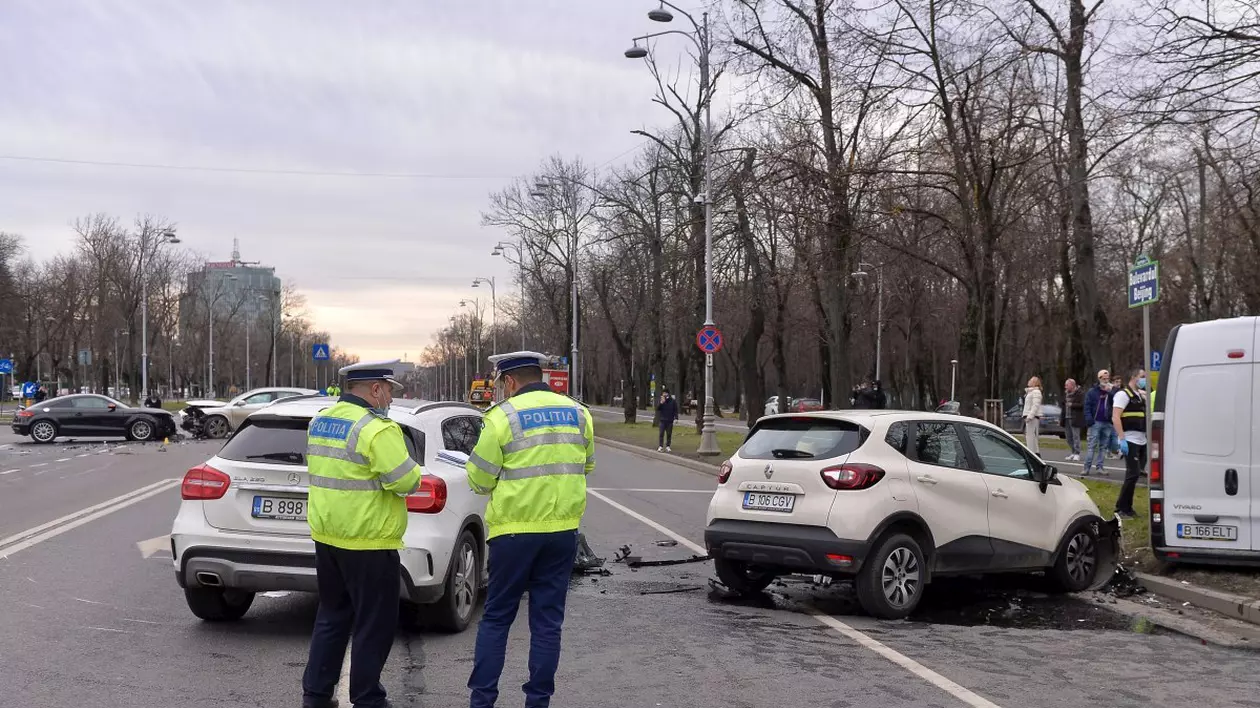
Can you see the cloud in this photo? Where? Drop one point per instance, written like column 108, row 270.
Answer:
column 470, row 93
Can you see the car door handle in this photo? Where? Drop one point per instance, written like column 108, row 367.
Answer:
column 999, row 494
column 927, row 479
column 1231, row 482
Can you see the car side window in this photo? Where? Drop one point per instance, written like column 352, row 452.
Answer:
column 939, row 444
column 91, row 403
column 998, row 454
column 414, row 440
column 898, row 437
column 461, row 433
column 260, row 398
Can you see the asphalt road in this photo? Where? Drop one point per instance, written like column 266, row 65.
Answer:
column 89, row 621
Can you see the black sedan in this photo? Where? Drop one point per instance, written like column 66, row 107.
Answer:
column 90, row 415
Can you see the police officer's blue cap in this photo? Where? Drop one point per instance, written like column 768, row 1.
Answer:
column 504, row 363
column 371, row 371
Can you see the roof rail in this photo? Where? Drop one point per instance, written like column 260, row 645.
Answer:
column 442, row 404
column 301, row 397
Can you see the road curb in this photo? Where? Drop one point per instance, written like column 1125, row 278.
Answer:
column 1233, row 606
column 696, row 465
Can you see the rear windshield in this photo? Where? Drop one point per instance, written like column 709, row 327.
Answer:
column 803, row 439
column 276, row 440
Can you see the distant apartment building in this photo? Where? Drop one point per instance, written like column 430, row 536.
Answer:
column 238, row 289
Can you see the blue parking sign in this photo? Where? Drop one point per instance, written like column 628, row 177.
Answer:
column 1156, row 359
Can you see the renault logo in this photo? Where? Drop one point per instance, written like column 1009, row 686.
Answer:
column 769, row 472
column 294, row 478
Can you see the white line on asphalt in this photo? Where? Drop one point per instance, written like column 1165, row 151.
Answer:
column 963, row 694
column 25, row 539
column 64, row 459
column 662, row 491
column 107, row 629
column 634, row 514
column 86, row 454
column 8, row 472
column 42, row 464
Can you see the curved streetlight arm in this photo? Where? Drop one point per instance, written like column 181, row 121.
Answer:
column 688, row 35
column 682, row 12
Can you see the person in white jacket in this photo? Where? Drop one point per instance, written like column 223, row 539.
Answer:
column 1032, row 415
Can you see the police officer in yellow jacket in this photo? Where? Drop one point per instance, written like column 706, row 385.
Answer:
column 535, row 450
column 360, row 472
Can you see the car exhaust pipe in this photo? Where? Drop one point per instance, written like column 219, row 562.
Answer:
column 1110, row 545
column 210, row 580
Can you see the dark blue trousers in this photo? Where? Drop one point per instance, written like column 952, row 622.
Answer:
column 540, row 563
column 358, row 595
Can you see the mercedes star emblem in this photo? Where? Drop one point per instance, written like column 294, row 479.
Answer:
column 294, row 478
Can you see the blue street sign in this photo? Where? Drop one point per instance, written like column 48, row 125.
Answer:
column 6, row 366
column 1143, row 282
column 320, row 352
column 29, row 388
column 709, row 339
column 1157, row 358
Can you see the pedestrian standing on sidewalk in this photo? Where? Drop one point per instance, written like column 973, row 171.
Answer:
column 1032, row 415
column 1073, row 417
column 1098, row 415
column 667, row 414
column 1129, row 419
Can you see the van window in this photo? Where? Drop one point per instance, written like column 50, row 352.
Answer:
column 1207, row 401
column 803, row 438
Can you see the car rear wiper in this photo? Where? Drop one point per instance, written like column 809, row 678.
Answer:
column 782, row 453
column 281, row 456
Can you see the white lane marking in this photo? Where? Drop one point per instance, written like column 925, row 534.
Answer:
column 636, row 515
column 655, row 491
column 343, row 684
column 963, row 694
column 107, row 629
column 90, row 602
column 86, row 454
column 128, row 619
column 42, row 464
column 25, row 539
column 8, row 472
column 64, row 459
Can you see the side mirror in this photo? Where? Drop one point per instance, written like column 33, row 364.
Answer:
column 1049, row 475
column 239, row 403
column 113, row 407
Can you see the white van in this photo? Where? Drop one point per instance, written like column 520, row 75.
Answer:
column 1205, row 455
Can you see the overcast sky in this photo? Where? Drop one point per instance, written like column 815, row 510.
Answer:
column 471, row 92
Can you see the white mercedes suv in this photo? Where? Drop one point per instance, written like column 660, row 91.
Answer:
column 241, row 528
column 892, row 499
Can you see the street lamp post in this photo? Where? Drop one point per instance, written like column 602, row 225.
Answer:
column 701, row 38
column 953, row 377
column 494, row 314
column 163, row 238
column 475, row 332
column 879, row 310
column 499, row 249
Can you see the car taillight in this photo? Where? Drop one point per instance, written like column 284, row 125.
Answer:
column 430, row 498
column 1157, row 512
column 24, row 414
column 1157, row 449
column 725, row 473
column 204, row 482
column 855, row 475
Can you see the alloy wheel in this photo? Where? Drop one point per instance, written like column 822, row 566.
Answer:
column 901, row 577
column 1081, row 557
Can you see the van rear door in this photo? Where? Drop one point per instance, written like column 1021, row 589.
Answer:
column 1207, row 452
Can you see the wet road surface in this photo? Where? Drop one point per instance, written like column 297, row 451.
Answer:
column 90, row 621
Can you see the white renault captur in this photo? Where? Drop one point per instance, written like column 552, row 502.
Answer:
column 892, row 499
column 242, row 529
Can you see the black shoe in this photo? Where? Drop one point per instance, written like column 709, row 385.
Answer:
column 317, row 703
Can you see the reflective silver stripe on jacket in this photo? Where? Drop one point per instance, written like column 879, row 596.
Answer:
column 514, row 422
column 335, row 453
column 484, row 465
column 398, row 472
column 346, row 485
column 545, row 439
column 556, row 468
column 352, row 440
column 582, row 424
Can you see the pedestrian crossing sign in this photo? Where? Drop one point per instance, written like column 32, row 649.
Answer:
column 319, row 352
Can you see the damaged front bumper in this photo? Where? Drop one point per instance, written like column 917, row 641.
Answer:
column 1110, row 547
